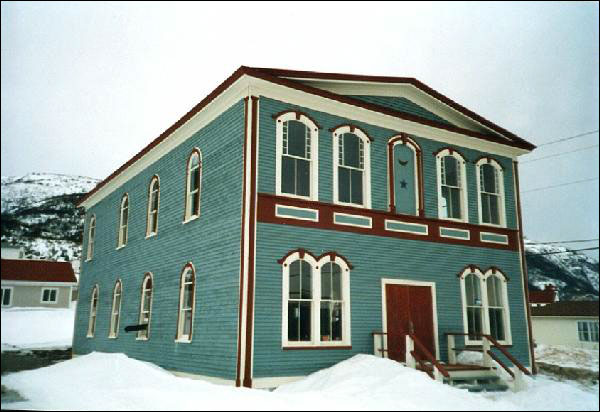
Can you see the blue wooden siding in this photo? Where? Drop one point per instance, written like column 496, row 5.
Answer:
column 404, row 105
column 211, row 243
column 373, row 258
column 379, row 174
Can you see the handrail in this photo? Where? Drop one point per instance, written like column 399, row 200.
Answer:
column 429, row 356
column 422, row 364
column 499, row 362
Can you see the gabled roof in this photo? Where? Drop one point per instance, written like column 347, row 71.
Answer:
column 548, row 295
column 293, row 79
column 567, row 308
column 37, row 271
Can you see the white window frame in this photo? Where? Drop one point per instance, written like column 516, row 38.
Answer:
column 589, row 323
column 464, row 198
column 93, row 317
column 147, row 276
column 155, row 181
column 500, row 194
column 314, row 153
column 180, row 337
column 188, row 216
column 123, row 228
column 483, row 276
column 12, row 292
column 91, row 238
column 49, row 302
column 316, row 301
column 115, row 312
column 337, row 132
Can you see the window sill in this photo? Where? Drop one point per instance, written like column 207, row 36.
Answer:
column 183, row 340
column 318, row 347
column 450, row 219
column 292, row 196
column 89, row 336
column 141, row 339
column 88, row 260
column 492, row 225
column 151, row 235
column 356, row 205
column 112, row 337
column 191, row 219
column 120, row 247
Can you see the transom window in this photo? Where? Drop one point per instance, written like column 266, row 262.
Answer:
column 193, row 185
column 93, row 312
column 153, row 199
column 115, row 311
column 588, row 331
column 485, row 305
column 145, row 307
column 123, row 221
column 452, row 185
column 91, row 237
column 490, row 185
column 186, row 304
column 297, row 155
column 352, row 181
column 316, row 305
column 49, row 295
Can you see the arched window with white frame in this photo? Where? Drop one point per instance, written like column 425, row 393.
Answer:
column 485, row 305
column 185, row 317
column 91, row 238
column 193, row 185
column 153, row 203
column 115, row 313
column 145, row 307
column 490, row 190
column 316, row 300
column 93, row 312
column 452, row 185
column 352, row 166
column 123, row 220
column 297, row 156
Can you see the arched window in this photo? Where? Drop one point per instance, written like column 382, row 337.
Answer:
column 485, row 309
column 352, row 167
column 452, row 185
column 93, row 312
column 91, row 237
column 185, row 317
column 297, row 162
column 405, row 176
column 193, row 185
column 145, row 307
column 153, row 202
column 115, row 312
column 123, row 220
column 316, row 300
column 490, row 188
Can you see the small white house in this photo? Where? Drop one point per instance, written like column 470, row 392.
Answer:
column 11, row 252
column 573, row 324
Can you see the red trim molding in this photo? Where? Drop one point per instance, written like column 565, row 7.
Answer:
column 488, row 159
column 452, row 150
column 266, row 214
column 303, row 252
column 317, row 347
column 352, row 129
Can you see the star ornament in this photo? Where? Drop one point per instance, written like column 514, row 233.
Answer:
column 403, row 184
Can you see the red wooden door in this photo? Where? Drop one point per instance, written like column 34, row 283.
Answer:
column 406, row 305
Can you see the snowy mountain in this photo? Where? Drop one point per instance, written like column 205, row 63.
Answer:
column 39, row 213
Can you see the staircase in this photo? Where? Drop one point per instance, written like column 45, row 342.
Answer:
column 485, row 377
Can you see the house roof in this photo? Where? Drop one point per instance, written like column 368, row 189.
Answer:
column 547, row 295
column 567, row 308
column 37, row 271
column 291, row 79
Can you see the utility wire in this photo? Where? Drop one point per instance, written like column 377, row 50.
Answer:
column 564, row 139
column 566, row 251
column 559, row 154
column 564, row 241
column 559, row 185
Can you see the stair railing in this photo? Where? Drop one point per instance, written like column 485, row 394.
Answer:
column 380, row 344
column 412, row 357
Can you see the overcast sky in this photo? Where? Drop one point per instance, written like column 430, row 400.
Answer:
column 86, row 86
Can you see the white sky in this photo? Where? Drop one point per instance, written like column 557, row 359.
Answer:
column 85, row 86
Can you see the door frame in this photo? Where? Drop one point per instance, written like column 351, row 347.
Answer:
column 408, row 282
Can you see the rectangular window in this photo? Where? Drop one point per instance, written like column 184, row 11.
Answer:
column 588, row 331
column 490, row 194
column 49, row 295
column 451, row 188
column 296, row 159
column 300, row 302
column 6, row 297
column 350, row 169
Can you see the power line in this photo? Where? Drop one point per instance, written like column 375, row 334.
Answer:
column 559, row 185
column 564, row 241
column 559, row 154
column 566, row 251
column 564, row 139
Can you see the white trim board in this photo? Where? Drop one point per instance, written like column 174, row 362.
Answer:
column 45, row 284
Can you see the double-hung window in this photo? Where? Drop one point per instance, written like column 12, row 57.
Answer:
column 123, row 221
column 193, row 185
column 452, row 185
column 153, row 199
column 186, row 304
column 490, row 185
column 587, row 330
column 352, row 169
column 91, row 238
column 115, row 312
column 145, row 307
column 93, row 312
column 297, row 155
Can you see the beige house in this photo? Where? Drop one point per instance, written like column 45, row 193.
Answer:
column 573, row 324
column 36, row 283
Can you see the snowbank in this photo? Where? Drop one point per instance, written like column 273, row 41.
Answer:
column 37, row 328
column 567, row 357
column 102, row 381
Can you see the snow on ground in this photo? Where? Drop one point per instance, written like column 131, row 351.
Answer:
column 567, row 357
column 101, row 381
column 37, row 328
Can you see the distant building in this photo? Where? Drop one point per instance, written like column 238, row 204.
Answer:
column 12, row 252
column 36, row 283
column 543, row 297
column 573, row 324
